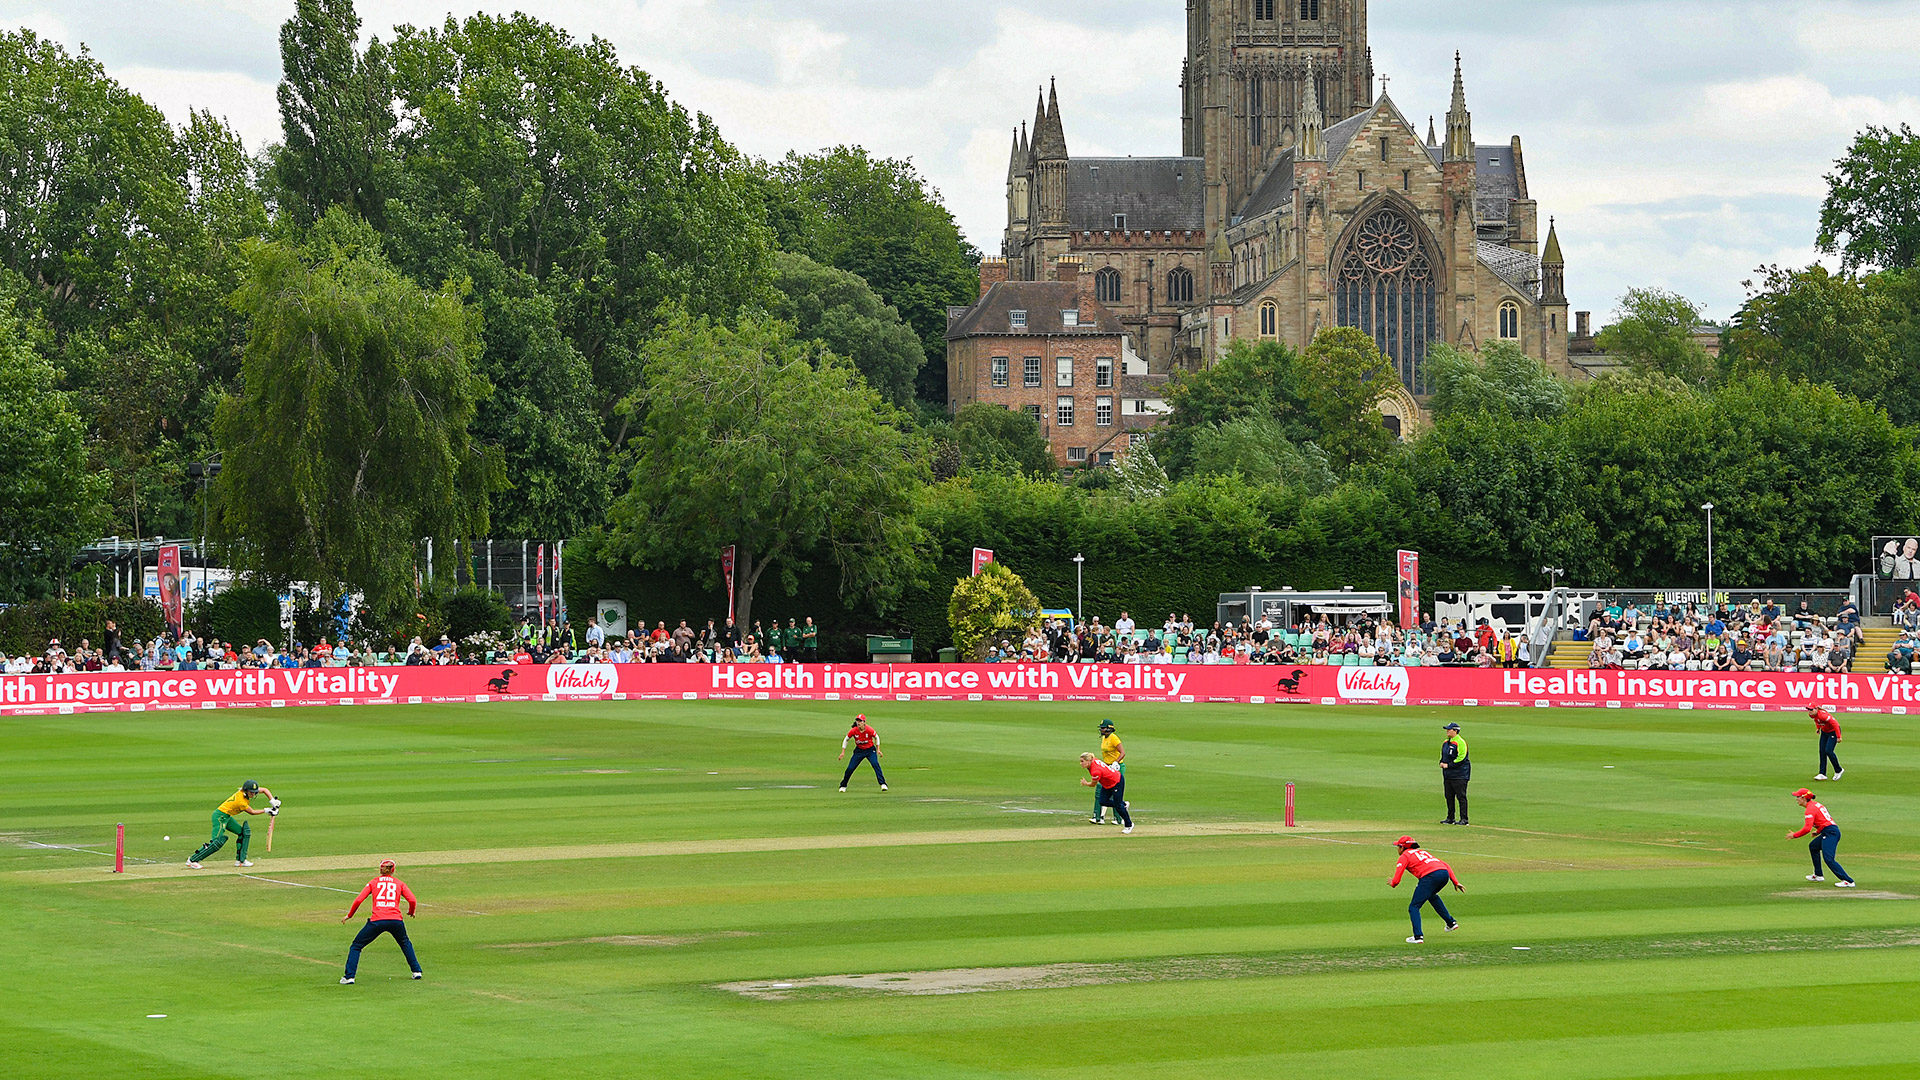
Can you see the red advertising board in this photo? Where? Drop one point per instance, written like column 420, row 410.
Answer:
column 167, row 572
column 1164, row 683
column 981, row 557
column 1409, row 588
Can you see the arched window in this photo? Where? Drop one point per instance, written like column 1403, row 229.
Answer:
column 1310, row 9
column 1106, row 286
column 1386, row 288
column 1269, row 319
column 1510, row 321
column 1180, row 286
column 1263, row 9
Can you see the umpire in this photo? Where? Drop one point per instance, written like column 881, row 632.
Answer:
column 1455, row 770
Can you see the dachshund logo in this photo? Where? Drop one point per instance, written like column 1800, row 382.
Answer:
column 1291, row 684
column 499, row 685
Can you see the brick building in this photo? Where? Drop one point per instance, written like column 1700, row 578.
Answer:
column 1052, row 350
column 1301, row 200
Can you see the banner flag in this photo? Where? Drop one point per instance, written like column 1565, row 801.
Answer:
column 1409, row 588
column 981, row 557
column 726, row 568
column 540, row 581
column 167, row 571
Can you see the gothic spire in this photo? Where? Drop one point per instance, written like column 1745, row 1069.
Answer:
column 1553, row 270
column 1049, row 137
column 1017, row 161
column 1551, row 256
column 1309, row 144
column 1459, row 120
column 1431, row 141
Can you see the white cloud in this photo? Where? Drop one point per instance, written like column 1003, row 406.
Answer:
column 247, row 103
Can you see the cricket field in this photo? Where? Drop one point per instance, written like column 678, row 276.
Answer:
column 677, row 889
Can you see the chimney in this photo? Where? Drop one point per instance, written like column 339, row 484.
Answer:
column 992, row 272
column 1580, row 325
column 1068, row 270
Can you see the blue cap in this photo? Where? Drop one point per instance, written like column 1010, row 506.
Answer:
column 1451, row 727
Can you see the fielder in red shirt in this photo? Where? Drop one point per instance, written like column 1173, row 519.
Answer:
column 386, row 892
column 1825, row 842
column 1829, row 729
column 1432, row 875
column 866, row 747
column 1111, row 785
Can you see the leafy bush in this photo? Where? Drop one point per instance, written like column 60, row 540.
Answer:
column 26, row 628
column 994, row 603
column 242, row 614
column 473, row 611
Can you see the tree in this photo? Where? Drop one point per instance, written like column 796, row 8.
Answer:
column 1822, row 327
column 841, row 311
column 50, row 501
column 1139, row 475
column 1256, row 449
column 990, row 605
column 1871, row 216
column 1343, row 378
column 336, row 115
column 1247, row 381
column 1501, row 381
column 1653, row 332
column 878, row 218
column 349, row 439
column 996, row 439
column 742, row 440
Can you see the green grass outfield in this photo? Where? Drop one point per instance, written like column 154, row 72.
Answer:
column 595, row 874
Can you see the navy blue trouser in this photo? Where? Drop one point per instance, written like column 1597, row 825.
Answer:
column 872, row 757
column 1827, row 844
column 373, row 929
column 1116, row 797
column 1428, row 892
column 1829, row 742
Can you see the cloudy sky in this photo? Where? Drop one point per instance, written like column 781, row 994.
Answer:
column 1680, row 143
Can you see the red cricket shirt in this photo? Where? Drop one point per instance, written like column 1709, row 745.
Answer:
column 1419, row 863
column 1817, row 819
column 1104, row 774
column 387, row 891
column 863, row 736
column 1823, row 721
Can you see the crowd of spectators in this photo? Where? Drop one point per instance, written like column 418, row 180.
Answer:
column 1361, row 641
column 1757, row 636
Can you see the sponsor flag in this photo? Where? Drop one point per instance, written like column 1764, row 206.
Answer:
column 540, row 580
column 167, row 570
column 726, row 570
column 981, row 557
column 1409, row 588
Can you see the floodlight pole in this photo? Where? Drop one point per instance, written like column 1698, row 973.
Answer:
column 1711, row 603
column 1079, row 590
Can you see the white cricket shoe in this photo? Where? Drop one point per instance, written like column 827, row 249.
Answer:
column 419, row 975
column 1452, row 926
column 1128, row 829
column 1415, row 940
column 191, row 865
column 883, row 787
column 1815, row 877
column 1838, row 773
column 1843, row 885
column 843, row 789
column 1095, row 821
column 1819, row 776
column 345, row 981
column 243, row 862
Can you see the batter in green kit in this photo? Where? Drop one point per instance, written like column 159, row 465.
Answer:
column 227, row 819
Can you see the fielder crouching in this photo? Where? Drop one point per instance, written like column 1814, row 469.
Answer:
column 383, row 917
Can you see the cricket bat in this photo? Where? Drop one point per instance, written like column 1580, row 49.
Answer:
column 270, row 822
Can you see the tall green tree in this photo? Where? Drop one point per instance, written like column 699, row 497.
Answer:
column 745, row 440
column 1871, row 216
column 336, row 115
column 880, row 219
column 841, row 311
column 1343, row 378
column 349, row 439
column 1256, row 449
column 1653, row 331
column 1000, row 440
column 1823, row 327
column 579, row 179
column 51, row 502
column 1248, row 381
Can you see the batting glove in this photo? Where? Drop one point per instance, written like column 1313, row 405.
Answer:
column 275, row 803
column 273, row 811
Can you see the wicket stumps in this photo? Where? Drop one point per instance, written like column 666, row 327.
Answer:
column 1290, row 804
column 120, row 848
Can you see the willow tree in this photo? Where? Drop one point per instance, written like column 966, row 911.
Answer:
column 349, row 438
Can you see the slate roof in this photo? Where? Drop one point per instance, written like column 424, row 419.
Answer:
column 1516, row 268
column 1043, row 301
column 1496, row 182
column 1340, row 134
column 1154, row 193
column 1274, row 191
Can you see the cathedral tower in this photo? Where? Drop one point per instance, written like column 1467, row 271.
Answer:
column 1047, row 186
column 1245, row 83
column 1018, row 196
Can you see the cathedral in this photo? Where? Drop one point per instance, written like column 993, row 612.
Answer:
column 1301, row 200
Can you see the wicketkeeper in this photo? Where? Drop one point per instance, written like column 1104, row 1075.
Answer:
column 226, row 820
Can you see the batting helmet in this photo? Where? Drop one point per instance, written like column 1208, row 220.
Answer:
column 250, row 786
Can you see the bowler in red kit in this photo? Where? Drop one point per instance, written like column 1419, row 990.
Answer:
column 1110, row 788
column 386, row 892
column 1826, row 839
column 1829, row 729
column 1432, row 876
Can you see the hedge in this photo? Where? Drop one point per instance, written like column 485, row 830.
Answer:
column 26, row 628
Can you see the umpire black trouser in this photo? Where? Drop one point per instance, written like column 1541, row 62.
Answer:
column 1456, row 794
